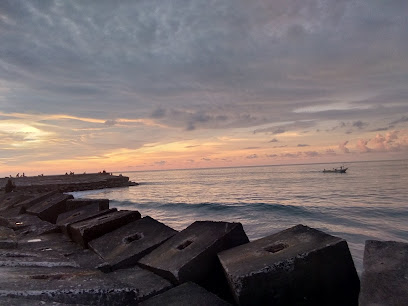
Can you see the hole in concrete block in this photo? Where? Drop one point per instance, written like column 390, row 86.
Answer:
column 275, row 248
column 184, row 245
column 133, row 237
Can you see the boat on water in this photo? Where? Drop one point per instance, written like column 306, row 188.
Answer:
column 335, row 170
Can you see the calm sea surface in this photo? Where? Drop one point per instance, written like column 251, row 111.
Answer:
column 370, row 201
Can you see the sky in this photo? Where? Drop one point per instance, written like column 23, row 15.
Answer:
column 146, row 85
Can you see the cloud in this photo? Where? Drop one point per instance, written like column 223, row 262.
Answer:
column 110, row 122
column 359, row 124
column 343, row 148
column 160, row 163
column 273, row 140
column 252, row 156
column 362, row 146
column 302, row 145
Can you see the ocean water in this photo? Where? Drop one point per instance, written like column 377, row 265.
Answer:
column 370, row 201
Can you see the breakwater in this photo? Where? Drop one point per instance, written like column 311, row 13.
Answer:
column 67, row 183
column 54, row 248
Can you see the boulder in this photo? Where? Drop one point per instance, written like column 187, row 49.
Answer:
column 297, row 266
column 384, row 280
column 29, row 225
column 124, row 246
column 84, row 231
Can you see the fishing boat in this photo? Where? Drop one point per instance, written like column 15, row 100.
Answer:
column 335, row 170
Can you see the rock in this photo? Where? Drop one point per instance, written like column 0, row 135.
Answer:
column 297, row 266
column 10, row 301
column 64, row 220
column 84, row 231
column 384, row 280
column 50, row 208
column 8, row 238
column 124, row 246
column 191, row 255
column 65, row 285
column 186, row 294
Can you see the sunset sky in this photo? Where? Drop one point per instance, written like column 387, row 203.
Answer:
column 141, row 85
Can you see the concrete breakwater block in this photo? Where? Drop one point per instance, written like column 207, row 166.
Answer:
column 84, row 231
column 45, row 257
column 124, row 246
column 50, row 208
column 58, row 242
column 146, row 283
column 29, row 225
column 9, row 200
column 384, row 280
column 64, row 220
column 78, row 203
column 66, row 285
column 185, row 295
column 8, row 238
column 297, row 266
column 191, row 255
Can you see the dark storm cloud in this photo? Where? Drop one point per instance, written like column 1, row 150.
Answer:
column 223, row 63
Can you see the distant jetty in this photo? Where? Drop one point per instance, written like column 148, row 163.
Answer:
column 67, row 183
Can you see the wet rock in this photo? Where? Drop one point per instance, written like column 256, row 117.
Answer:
column 29, row 225
column 186, row 294
column 384, row 280
column 65, row 285
column 298, row 266
column 8, row 238
column 124, row 246
column 84, row 231
column 80, row 214
column 191, row 255
column 50, row 208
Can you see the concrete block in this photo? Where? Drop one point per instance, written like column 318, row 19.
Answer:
column 84, row 231
column 16, row 301
column 146, row 283
column 29, row 225
column 42, row 258
column 297, row 266
column 78, row 203
column 8, row 238
column 50, row 208
column 60, row 243
column 65, row 285
column 124, row 246
column 11, row 199
column 191, row 255
column 80, row 214
column 384, row 280
column 185, row 295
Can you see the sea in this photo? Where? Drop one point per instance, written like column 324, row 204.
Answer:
column 369, row 201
